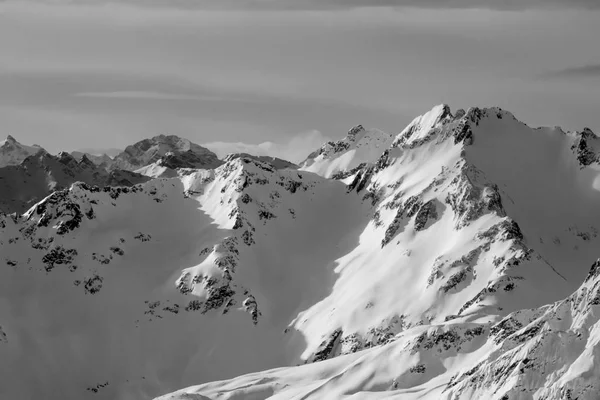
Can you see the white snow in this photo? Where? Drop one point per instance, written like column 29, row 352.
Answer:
column 363, row 147
column 449, row 265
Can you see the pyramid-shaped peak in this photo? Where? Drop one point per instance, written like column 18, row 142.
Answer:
column 11, row 139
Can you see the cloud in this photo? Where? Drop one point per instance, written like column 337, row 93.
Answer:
column 169, row 8
column 295, row 150
column 585, row 71
column 147, row 95
column 489, row 4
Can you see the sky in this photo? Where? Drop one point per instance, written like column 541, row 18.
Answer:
column 280, row 77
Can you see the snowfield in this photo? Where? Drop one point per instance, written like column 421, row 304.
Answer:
column 454, row 260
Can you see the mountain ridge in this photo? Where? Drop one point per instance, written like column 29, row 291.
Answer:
column 404, row 271
column 13, row 153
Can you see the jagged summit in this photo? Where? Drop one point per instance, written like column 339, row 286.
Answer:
column 357, row 147
column 10, row 139
column 460, row 223
column 102, row 160
column 13, row 153
column 423, row 125
column 443, row 262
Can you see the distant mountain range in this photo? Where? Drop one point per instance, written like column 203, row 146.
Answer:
column 30, row 173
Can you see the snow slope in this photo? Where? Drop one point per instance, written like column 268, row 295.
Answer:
column 358, row 146
column 434, row 265
column 543, row 353
column 119, row 270
column 13, row 152
column 474, row 217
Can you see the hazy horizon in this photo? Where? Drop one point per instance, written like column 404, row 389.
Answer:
column 97, row 74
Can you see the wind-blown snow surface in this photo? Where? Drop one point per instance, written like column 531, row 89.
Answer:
column 424, row 270
column 478, row 222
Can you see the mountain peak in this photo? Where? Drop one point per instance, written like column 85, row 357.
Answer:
column 13, row 153
column 359, row 146
column 179, row 151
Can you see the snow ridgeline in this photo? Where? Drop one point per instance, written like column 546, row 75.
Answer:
column 204, row 255
column 424, row 243
column 460, row 237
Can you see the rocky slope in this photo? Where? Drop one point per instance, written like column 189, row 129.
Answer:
column 38, row 175
column 149, row 151
column 426, row 268
column 460, row 241
column 359, row 146
column 214, row 254
column 13, row 152
column 550, row 352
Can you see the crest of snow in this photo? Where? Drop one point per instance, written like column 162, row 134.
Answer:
column 461, row 269
column 433, row 263
column 359, row 146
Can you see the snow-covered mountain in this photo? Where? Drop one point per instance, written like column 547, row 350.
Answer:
column 450, row 261
column 479, row 224
column 38, row 175
column 13, row 152
column 149, row 151
column 360, row 146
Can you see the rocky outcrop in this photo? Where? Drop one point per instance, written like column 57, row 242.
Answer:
column 586, row 148
column 472, row 196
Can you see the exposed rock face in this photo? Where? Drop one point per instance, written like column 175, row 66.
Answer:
column 178, row 151
column 587, row 148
